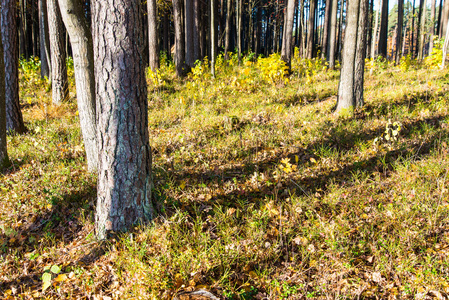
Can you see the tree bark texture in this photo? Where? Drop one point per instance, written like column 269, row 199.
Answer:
column 445, row 47
column 399, row 31
column 179, row 38
column 444, row 18
column 83, row 58
column 213, row 38
column 189, row 25
column 14, row 119
column 327, row 16
column 311, row 29
column 124, row 169
column 3, row 142
column 421, row 28
column 333, row 34
column 432, row 25
column 287, row 45
column 228, row 27
column 346, row 95
column 196, row 31
column 359, row 70
column 383, row 35
column 152, row 36
column 59, row 83
column 44, row 40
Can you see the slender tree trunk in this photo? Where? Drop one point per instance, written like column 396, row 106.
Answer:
column 152, row 35
column 179, row 38
column 14, row 119
column 346, row 91
column 302, row 43
column 383, row 36
column 124, row 169
column 360, row 55
column 189, row 26
column 22, row 31
column 60, row 90
column 412, row 42
column 3, row 141
column 421, row 34
column 440, row 13
column 239, row 14
column 432, row 25
column 404, row 41
column 228, row 27
column 311, row 29
column 212, row 37
column 44, row 40
column 376, row 28
column 196, row 31
column 258, row 31
column 445, row 46
column 370, row 29
column 83, row 57
column 333, row 34
column 287, row 45
column 326, row 27
column 399, row 31
column 444, row 18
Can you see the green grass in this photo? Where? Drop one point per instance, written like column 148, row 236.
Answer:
column 261, row 191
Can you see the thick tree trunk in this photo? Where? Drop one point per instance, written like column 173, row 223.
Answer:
column 60, row 90
column 152, row 36
column 327, row 16
column 14, row 119
column 398, row 53
column 432, row 25
column 333, row 34
column 421, row 32
column 346, row 91
column 311, row 29
column 179, row 38
column 445, row 47
column 44, row 40
column 3, row 141
column 383, row 35
column 359, row 70
column 83, row 57
column 189, row 26
column 287, row 45
column 444, row 18
column 124, row 169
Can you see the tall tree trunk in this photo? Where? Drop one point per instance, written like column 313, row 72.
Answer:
column 239, row 17
column 287, row 45
column 311, row 29
column 213, row 37
column 432, row 25
column 179, row 38
column 360, row 55
column 383, row 35
column 196, row 31
column 376, row 28
column 190, row 48
column 302, row 47
column 370, row 29
column 83, row 58
column 404, row 40
column 412, row 37
column 3, row 141
column 124, row 169
column 445, row 46
column 421, row 34
column 44, row 40
column 228, row 27
column 346, row 91
column 440, row 13
column 333, row 34
column 60, row 90
column 152, row 36
column 14, row 119
column 166, row 33
column 444, row 18
column 327, row 16
column 258, row 31
column 398, row 54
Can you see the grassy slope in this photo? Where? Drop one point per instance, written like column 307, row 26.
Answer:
column 262, row 192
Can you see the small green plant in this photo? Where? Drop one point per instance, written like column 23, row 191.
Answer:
column 390, row 136
column 433, row 61
column 47, row 276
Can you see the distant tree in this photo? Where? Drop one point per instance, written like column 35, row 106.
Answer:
column 383, row 34
column 14, row 119
column 75, row 21
column 3, row 142
column 213, row 38
column 152, row 35
column 333, row 34
column 432, row 25
column 287, row 45
column 59, row 81
column 124, row 169
column 44, row 40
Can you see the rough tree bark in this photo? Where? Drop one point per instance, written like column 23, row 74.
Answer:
column 44, row 40
column 398, row 53
column 213, row 37
column 179, row 55
column 359, row 69
column 421, row 34
column 383, row 35
column 14, row 119
column 228, row 27
column 152, row 35
column 239, row 19
column 59, row 83
column 196, row 31
column 3, row 142
column 189, row 26
column 327, row 16
column 83, row 58
column 445, row 46
column 287, row 45
column 432, row 25
column 333, row 34
column 311, row 29
column 124, row 169
column 346, row 91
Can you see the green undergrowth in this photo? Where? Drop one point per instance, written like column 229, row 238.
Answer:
column 262, row 191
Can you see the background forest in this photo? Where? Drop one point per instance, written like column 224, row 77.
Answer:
column 224, row 149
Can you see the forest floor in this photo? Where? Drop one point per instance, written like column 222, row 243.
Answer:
column 262, row 191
